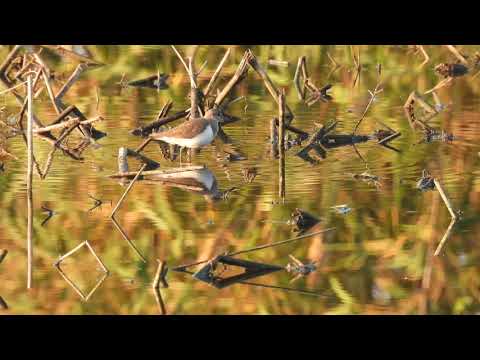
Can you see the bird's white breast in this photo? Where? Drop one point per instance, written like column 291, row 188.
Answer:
column 202, row 139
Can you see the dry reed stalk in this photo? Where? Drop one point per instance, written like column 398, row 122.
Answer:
column 425, row 55
column 216, row 74
column 296, row 78
column 272, row 89
column 130, row 242
column 256, row 248
column 156, row 287
column 445, row 199
column 441, row 84
column 70, row 81
column 457, row 54
column 281, row 144
column 29, row 184
column 158, row 172
column 147, row 129
column 445, row 237
column 72, row 122
column 70, row 282
column 372, row 97
column 128, row 190
column 239, row 74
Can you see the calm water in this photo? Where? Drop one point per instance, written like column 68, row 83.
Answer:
column 379, row 258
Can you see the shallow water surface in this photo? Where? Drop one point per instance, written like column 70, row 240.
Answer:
column 379, row 259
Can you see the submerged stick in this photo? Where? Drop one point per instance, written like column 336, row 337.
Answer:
column 300, row 291
column 102, row 265
column 128, row 190
column 130, row 242
column 445, row 237
column 29, row 184
column 261, row 247
column 445, row 199
column 157, row 172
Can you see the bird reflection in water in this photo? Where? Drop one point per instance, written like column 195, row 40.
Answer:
column 198, row 181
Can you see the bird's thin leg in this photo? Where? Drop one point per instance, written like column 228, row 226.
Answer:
column 181, row 149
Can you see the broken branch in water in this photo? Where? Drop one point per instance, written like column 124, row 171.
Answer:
column 272, row 89
column 131, row 175
column 29, row 184
column 445, row 237
column 147, row 129
column 127, row 239
column 72, row 122
column 256, row 248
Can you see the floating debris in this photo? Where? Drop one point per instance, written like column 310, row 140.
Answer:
column 426, row 182
column 341, row 209
column 152, row 82
column 368, row 178
column 211, row 274
column 431, row 135
column 302, row 220
column 234, row 156
column 299, row 269
column 451, row 70
column 249, row 174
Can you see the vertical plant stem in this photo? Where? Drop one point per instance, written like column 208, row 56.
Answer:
column 29, row 184
column 281, row 143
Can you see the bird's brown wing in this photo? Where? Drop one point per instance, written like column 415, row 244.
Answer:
column 187, row 130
